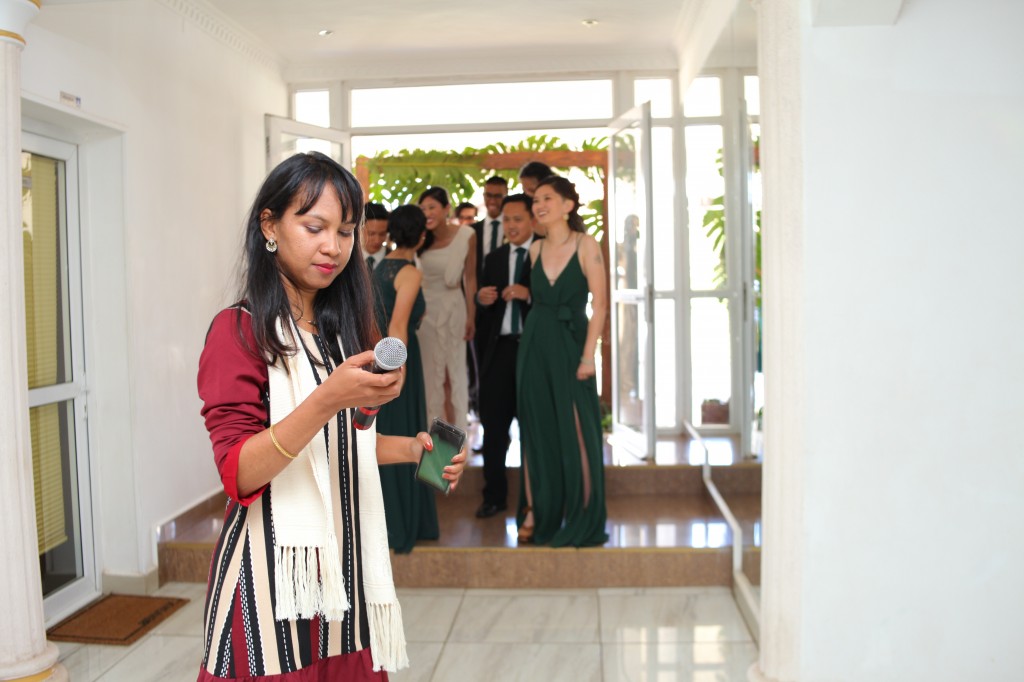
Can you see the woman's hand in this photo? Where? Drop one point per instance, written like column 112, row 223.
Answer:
column 586, row 370
column 470, row 329
column 452, row 472
column 352, row 386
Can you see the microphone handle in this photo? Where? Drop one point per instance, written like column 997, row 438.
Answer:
column 364, row 417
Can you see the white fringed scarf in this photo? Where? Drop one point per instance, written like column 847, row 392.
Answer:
column 307, row 559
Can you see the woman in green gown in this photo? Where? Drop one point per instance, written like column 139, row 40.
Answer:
column 408, row 504
column 562, row 498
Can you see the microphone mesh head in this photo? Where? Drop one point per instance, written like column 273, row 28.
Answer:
column 389, row 353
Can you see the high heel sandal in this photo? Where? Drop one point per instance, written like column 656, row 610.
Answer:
column 525, row 532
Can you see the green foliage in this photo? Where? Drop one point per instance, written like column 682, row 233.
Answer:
column 714, row 229
column 399, row 177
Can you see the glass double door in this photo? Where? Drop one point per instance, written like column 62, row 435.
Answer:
column 56, row 372
column 631, row 251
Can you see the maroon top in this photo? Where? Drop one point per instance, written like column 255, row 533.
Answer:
column 233, row 385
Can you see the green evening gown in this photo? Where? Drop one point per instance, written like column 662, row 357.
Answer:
column 409, row 505
column 549, row 397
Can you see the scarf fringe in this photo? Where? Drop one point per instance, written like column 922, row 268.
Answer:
column 309, row 583
column 387, row 637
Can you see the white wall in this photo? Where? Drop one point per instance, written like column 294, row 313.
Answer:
column 908, row 468
column 191, row 110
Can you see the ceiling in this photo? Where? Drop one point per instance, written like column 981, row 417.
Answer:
column 395, row 28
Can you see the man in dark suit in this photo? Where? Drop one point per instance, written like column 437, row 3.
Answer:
column 503, row 300
column 489, row 233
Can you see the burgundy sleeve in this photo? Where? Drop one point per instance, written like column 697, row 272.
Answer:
column 232, row 383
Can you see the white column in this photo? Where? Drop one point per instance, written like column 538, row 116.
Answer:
column 24, row 652
column 779, row 55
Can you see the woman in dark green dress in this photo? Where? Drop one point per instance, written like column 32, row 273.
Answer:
column 562, row 497
column 408, row 504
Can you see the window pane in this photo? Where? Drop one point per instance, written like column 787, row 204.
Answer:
column 313, row 107
column 630, row 220
column 482, row 103
column 665, row 378
column 752, row 93
column 44, row 238
column 711, row 360
column 703, row 97
column 658, row 91
column 632, row 335
column 55, row 475
column 705, row 197
column 663, row 186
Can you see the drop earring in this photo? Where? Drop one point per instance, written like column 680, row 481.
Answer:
column 271, row 246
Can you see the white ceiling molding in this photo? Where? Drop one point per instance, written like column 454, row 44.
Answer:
column 855, row 12
column 458, row 66
column 223, row 29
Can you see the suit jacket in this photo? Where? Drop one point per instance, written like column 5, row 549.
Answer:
column 488, row 318
column 482, row 234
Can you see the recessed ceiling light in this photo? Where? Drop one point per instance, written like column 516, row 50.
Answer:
column 325, row 32
column 590, row 23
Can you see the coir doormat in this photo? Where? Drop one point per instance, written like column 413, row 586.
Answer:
column 115, row 619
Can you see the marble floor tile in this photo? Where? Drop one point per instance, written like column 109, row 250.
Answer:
column 428, row 614
column 423, row 657
column 158, row 658
column 498, row 662
column 605, row 635
column 188, row 620
column 87, row 662
column 670, row 615
column 678, row 662
column 552, row 616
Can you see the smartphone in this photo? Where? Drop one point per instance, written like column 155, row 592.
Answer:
column 448, row 442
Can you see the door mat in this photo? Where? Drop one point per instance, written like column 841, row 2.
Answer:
column 115, row 619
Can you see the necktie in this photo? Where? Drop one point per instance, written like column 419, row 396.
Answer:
column 494, row 235
column 520, row 254
column 369, row 262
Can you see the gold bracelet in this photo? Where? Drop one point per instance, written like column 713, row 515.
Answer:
column 277, row 445
column 585, row 361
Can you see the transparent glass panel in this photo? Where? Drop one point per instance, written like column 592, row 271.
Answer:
column 665, row 378
column 703, row 97
column 44, row 239
column 632, row 335
column 711, row 361
column 55, row 475
column 664, row 223
column 313, row 107
column 482, row 103
column 628, row 223
column 705, row 198
column 658, row 91
column 752, row 93
column 300, row 144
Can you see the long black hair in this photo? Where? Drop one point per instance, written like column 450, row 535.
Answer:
column 566, row 190
column 343, row 309
column 440, row 195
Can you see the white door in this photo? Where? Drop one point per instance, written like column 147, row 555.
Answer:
column 286, row 137
column 631, row 251
column 56, row 373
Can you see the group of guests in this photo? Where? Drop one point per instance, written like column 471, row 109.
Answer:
column 515, row 285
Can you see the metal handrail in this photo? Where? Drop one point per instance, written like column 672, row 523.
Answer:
column 743, row 591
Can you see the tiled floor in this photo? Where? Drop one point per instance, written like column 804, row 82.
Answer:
column 604, row 635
